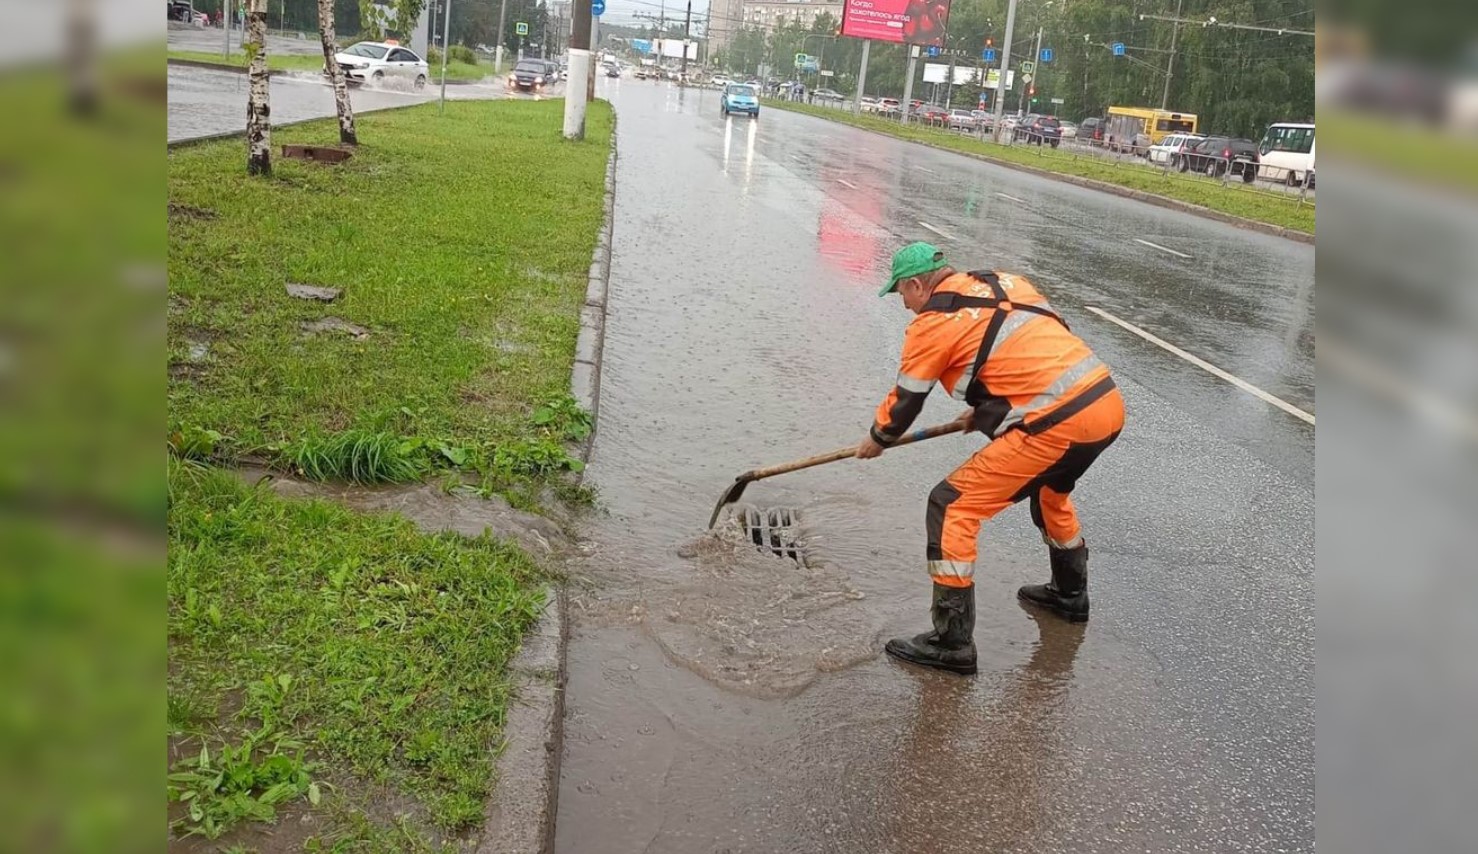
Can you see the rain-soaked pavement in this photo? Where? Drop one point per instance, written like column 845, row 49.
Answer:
column 723, row 700
column 204, row 101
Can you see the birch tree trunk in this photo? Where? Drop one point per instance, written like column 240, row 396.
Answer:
column 258, row 108
column 82, row 56
column 347, row 134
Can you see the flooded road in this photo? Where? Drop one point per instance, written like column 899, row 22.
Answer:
column 726, row 700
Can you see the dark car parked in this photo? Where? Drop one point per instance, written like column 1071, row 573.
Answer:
column 1215, row 156
column 1039, row 129
column 1090, row 130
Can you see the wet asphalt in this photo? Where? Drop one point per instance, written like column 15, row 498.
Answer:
column 206, row 102
column 743, row 703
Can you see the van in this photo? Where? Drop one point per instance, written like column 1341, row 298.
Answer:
column 1286, row 153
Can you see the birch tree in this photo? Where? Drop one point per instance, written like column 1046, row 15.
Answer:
column 82, row 56
column 347, row 134
column 258, row 108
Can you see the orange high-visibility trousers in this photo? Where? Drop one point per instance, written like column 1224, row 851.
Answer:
column 1043, row 467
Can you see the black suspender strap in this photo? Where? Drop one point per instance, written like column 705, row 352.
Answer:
column 1071, row 408
column 976, row 393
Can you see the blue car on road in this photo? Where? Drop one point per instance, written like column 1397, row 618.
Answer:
column 740, row 98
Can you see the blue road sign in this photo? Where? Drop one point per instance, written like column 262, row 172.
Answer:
column 988, row 55
column 1045, row 57
column 933, row 50
column 1118, row 48
column 597, row 7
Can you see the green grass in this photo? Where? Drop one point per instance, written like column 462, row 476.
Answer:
column 1233, row 200
column 379, row 649
column 461, row 242
column 1402, row 148
column 458, row 71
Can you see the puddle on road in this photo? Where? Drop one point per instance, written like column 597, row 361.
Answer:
column 738, row 615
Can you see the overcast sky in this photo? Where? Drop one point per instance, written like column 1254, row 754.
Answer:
column 624, row 11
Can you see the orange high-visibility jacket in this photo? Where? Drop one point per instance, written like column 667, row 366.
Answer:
column 995, row 343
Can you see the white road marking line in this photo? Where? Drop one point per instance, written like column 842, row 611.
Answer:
column 845, row 183
column 1161, row 248
column 935, row 230
column 1012, row 198
column 926, row 169
column 1206, row 366
column 1437, row 410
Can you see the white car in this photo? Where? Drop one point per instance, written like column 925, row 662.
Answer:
column 1168, row 150
column 378, row 62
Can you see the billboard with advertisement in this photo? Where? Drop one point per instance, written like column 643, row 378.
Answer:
column 938, row 72
column 907, row 21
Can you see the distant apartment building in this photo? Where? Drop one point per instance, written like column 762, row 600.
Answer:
column 728, row 17
column 768, row 13
column 725, row 20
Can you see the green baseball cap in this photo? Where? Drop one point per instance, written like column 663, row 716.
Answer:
column 915, row 259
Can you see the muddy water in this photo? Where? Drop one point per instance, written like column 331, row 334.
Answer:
column 722, row 699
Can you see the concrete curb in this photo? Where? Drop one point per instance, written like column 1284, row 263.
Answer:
column 585, row 378
column 1103, row 186
column 521, row 811
column 525, row 800
column 188, row 141
column 215, row 66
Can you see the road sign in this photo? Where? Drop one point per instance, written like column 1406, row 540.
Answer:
column 597, row 7
column 1058, row 101
column 1118, row 48
column 988, row 55
column 1028, row 66
column 1026, row 77
column 933, row 50
column 828, row 74
column 521, row 28
column 1045, row 57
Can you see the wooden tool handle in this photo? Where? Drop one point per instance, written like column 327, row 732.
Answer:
column 844, row 453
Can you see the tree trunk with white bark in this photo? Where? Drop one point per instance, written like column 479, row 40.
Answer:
column 82, row 70
column 347, row 135
column 258, row 107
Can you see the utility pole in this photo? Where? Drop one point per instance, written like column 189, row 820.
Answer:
column 502, row 34
column 1000, row 103
column 1170, row 63
column 579, row 70
column 913, row 58
column 687, row 33
column 861, row 79
column 226, row 25
column 446, row 48
column 1036, row 53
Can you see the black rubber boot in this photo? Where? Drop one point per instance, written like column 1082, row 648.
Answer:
column 951, row 646
column 1067, row 593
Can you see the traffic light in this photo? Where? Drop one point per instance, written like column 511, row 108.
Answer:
column 990, row 42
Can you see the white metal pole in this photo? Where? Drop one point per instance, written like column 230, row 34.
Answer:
column 861, row 79
column 502, row 34
column 1000, row 105
column 446, row 48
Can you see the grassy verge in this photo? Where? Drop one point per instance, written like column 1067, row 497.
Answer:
column 1229, row 200
column 325, row 664
column 458, row 71
column 1401, row 148
column 315, row 652
column 461, row 243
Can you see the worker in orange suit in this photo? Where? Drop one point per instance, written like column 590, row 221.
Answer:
column 1048, row 405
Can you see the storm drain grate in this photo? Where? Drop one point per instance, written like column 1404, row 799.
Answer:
column 774, row 530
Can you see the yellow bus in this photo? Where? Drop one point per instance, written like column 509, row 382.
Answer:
column 1137, row 128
